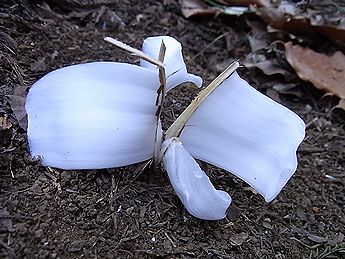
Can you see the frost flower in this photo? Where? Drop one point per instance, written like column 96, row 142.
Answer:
column 176, row 71
column 246, row 133
column 93, row 115
column 106, row 114
column 100, row 114
column 191, row 184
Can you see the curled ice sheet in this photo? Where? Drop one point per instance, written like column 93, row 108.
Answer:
column 94, row 115
column 244, row 132
column 176, row 71
column 192, row 185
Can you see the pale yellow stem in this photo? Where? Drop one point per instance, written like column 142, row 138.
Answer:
column 176, row 128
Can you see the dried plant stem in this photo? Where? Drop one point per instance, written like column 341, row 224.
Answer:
column 162, row 80
column 160, row 99
column 176, row 128
column 134, row 51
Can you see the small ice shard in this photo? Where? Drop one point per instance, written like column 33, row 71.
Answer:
column 246, row 133
column 191, row 184
column 94, row 115
column 176, row 71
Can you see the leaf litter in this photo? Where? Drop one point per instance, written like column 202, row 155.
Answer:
column 325, row 72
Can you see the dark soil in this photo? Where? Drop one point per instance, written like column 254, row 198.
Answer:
column 119, row 213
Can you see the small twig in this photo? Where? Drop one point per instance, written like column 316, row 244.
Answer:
column 140, row 169
column 10, row 167
column 306, row 6
column 126, row 239
column 159, row 102
column 56, row 184
column 311, row 122
column 176, row 128
column 307, row 246
column 169, row 238
column 134, row 51
column 114, row 187
column 162, row 80
column 209, row 45
column 124, row 189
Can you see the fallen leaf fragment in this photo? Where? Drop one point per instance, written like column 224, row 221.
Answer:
column 324, row 72
column 246, row 2
column 196, row 7
column 192, row 185
column 191, row 8
column 287, row 16
column 267, row 66
column 17, row 104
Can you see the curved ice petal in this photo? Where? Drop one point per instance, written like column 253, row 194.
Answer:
column 192, row 185
column 176, row 71
column 94, row 115
column 240, row 130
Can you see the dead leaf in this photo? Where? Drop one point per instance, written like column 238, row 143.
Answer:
column 287, row 16
column 262, row 36
column 268, row 65
column 324, row 72
column 258, row 3
column 289, row 89
column 197, row 7
column 284, row 88
column 238, row 239
column 191, row 8
column 17, row 103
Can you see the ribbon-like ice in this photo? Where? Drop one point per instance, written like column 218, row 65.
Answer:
column 103, row 114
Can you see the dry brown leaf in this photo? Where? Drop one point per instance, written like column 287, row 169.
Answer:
column 197, row 8
column 288, row 17
column 17, row 103
column 266, row 66
column 258, row 3
column 18, row 106
column 191, row 8
column 269, row 66
column 324, row 72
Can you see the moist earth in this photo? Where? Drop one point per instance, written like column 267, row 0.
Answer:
column 132, row 213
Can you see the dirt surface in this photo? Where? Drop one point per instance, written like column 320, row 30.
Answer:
column 118, row 213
